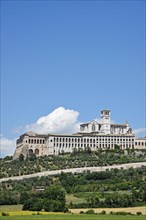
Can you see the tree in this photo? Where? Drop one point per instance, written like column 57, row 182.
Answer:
column 21, row 157
column 88, row 150
column 24, row 197
column 32, row 157
column 52, row 199
column 55, row 192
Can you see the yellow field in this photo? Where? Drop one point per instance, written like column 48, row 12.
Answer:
column 16, row 210
column 14, row 213
column 133, row 210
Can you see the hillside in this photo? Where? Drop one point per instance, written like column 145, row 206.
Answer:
column 114, row 188
column 10, row 168
column 59, row 192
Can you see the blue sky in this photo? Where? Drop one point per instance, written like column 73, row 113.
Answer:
column 80, row 55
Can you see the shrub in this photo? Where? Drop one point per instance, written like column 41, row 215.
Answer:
column 81, row 212
column 138, row 213
column 5, row 214
column 90, row 211
column 39, row 213
column 121, row 213
column 103, row 212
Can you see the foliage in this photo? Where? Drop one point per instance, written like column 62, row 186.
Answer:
column 114, row 188
column 52, row 199
column 21, row 157
column 78, row 158
column 90, row 211
column 5, row 214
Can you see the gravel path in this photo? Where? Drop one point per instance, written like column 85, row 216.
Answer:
column 76, row 170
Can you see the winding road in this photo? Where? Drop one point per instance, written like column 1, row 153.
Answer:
column 75, row 170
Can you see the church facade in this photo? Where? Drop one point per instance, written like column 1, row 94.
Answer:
column 94, row 135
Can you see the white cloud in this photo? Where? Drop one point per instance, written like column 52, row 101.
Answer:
column 140, row 132
column 61, row 120
column 7, row 146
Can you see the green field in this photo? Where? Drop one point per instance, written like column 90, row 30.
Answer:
column 73, row 216
column 10, row 208
column 15, row 213
column 74, row 199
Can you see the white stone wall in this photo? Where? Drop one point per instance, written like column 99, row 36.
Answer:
column 56, row 144
column 140, row 143
column 60, row 144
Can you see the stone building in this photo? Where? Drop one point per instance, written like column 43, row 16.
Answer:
column 140, row 143
column 94, row 135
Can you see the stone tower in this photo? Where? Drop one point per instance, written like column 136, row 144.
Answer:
column 105, row 121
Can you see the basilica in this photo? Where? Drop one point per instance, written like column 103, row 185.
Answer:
column 94, row 135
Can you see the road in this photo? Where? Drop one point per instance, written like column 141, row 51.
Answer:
column 76, row 170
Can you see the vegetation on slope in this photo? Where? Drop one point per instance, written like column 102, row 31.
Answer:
column 114, row 188
column 78, row 158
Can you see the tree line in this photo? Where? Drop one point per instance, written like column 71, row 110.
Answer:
column 114, row 188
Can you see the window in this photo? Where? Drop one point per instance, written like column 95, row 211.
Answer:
column 36, row 151
column 30, row 151
column 82, row 128
column 93, row 127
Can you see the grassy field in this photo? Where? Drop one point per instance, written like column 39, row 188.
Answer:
column 87, row 195
column 16, row 213
column 132, row 210
column 73, row 199
column 10, row 208
column 73, row 216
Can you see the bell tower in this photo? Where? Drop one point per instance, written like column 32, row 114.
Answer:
column 105, row 121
